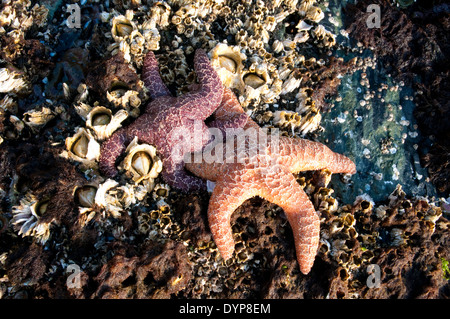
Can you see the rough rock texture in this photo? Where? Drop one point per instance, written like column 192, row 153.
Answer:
column 161, row 271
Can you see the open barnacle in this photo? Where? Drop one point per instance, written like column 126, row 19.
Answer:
column 256, row 81
column 228, row 62
column 287, row 119
column 27, row 218
column 160, row 194
column 36, row 119
column 120, row 95
column 122, row 27
column 101, row 120
column 83, row 148
column 108, row 198
column 365, row 202
column 85, row 195
column 141, row 163
column 85, row 198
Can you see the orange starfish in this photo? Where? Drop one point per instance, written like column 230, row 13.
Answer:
column 265, row 169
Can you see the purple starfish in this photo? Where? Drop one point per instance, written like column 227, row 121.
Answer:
column 168, row 120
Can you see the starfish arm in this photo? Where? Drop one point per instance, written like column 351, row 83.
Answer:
column 237, row 121
column 111, row 150
column 174, row 174
column 152, row 78
column 201, row 103
column 281, row 188
column 304, row 155
column 228, row 194
column 229, row 107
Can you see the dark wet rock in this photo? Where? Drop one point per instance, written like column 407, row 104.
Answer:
column 72, row 70
column 413, row 44
column 161, row 271
column 193, row 218
column 27, row 266
column 112, row 73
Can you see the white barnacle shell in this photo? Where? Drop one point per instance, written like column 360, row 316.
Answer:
column 305, row 5
column 36, row 119
column 310, row 122
column 270, row 23
column 257, row 81
column 101, row 120
column 228, row 63
column 365, row 201
column 319, row 32
column 301, row 37
column 315, row 14
column 83, row 93
column 303, row 26
column 152, row 38
column 122, row 27
column 141, row 163
column 26, row 218
column 82, row 109
column 329, row 39
column 106, row 198
column 292, row 82
column 160, row 14
column 83, row 148
column 11, row 81
column 126, row 99
column 277, row 46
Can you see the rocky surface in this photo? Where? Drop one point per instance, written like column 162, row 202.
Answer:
column 378, row 240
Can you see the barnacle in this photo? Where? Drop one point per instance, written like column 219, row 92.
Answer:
column 228, row 62
column 122, row 26
column 141, row 163
column 160, row 194
column 315, row 14
column 86, row 195
column 292, row 82
column 27, row 215
column 133, row 41
column 36, row 119
column 83, row 148
column 119, row 95
column 106, row 197
column 101, row 120
column 11, row 81
column 365, row 202
column 256, row 81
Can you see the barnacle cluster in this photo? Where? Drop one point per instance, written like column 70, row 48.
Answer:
column 358, row 235
column 262, row 68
